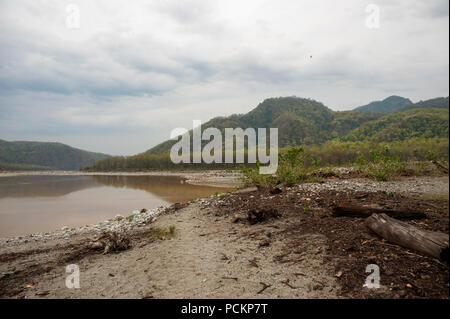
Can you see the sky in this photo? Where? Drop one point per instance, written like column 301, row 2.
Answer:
column 117, row 76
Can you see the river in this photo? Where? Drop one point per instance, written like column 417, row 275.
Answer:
column 30, row 204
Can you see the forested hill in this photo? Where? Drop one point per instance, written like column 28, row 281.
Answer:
column 440, row 102
column 334, row 137
column 420, row 123
column 299, row 121
column 43, row 155
column 398, row 104
column 308, row 122
column 388, row 105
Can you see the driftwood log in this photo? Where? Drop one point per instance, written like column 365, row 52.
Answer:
column 434, row 244
column 365, row 211
column 110, row 241
column 441, row 167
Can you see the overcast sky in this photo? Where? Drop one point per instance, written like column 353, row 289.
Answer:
column 122, row 76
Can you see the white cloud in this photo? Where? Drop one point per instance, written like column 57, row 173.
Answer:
column 133, row 71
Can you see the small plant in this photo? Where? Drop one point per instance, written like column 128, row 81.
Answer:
column 306, row 209
column 421, row 168
column 294, row 166
column 130, row 218
column 431, row 156
column 222, row 196
column 382, row 165
column 251, row 176
column 162, row 233
column 192, row 201
column 216, row 193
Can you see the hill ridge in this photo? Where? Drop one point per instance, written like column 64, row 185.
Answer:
column 304, row 121
column 45, row 155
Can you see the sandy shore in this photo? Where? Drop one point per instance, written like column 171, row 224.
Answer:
column 208, row 257
column 215, row 252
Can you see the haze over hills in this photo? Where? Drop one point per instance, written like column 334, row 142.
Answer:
column 398, row 103
column 387, row 105
column 440, row 102
column 44, row 155
column 306, row 122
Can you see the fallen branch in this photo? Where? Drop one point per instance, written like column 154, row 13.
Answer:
column 286, row 282
column 224, row 257
column 299, row 274
column 253, row 263
column 441, row 167
column 110, row 241
column 206, row 234
column 232, row 278
column 434, row 244
column 364, row 211
column 265, row 286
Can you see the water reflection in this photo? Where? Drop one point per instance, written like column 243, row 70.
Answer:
column 31, row 204
column 43, row 186
column 170, row 188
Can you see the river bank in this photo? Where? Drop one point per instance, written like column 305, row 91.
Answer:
column 215, row 252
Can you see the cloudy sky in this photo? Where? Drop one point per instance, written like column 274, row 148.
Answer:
column 118, row 76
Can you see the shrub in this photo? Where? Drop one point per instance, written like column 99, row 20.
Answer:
column 294, row 166
column 381, row 165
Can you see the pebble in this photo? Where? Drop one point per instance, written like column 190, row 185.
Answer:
column 317, row 287
column 118, row 223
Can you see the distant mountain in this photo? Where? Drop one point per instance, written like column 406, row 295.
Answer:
column 44, row 155
column 299, row 121
column 307, row 122
column 388, row 105
column 399, row 104
column 439, row 102
column 303, row 122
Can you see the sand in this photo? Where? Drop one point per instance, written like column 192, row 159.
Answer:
column 208, row 257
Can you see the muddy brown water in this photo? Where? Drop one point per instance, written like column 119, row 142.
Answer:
column 30, row 204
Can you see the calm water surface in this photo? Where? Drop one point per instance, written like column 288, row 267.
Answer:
column 30, row 204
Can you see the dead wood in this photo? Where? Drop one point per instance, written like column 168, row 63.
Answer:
column 366, row 211
column 434, row 244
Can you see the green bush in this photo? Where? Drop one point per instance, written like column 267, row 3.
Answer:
column 251, row 176
column 294, row 166
column 382, row 164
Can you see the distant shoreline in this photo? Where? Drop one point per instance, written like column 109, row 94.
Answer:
column 215, row 178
